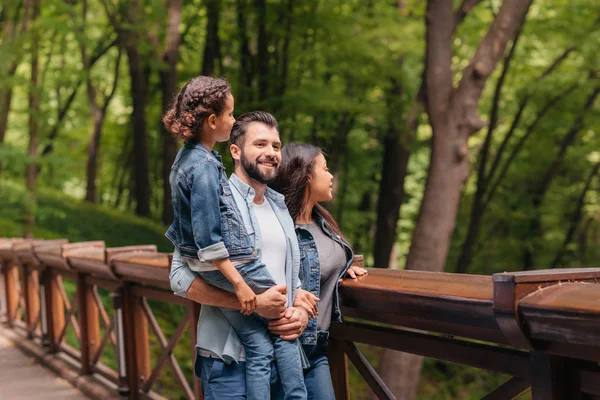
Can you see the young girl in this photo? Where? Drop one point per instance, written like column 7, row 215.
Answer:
column 209, row 232
column 326, row 255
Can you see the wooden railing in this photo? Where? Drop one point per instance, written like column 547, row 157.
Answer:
column 542, row 328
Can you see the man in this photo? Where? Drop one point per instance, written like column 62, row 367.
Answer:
column 255, row 148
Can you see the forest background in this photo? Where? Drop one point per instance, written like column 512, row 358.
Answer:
column 463, row 135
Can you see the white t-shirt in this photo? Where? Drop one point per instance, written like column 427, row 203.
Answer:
column 273, row 243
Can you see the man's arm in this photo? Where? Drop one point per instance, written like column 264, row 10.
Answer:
column 187, row 283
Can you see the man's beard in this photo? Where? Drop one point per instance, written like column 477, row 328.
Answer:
column 255, row 173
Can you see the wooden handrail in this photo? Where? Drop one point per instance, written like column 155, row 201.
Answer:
column 537, row 317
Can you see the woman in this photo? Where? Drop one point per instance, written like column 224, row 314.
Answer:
column 326, row 256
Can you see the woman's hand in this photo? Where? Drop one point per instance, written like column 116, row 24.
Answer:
column 291, row 325
column 308, row 301
column 355, row 271
column 271, row 303
column 246, row 297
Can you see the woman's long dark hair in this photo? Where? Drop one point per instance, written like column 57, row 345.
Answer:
column 297, row 165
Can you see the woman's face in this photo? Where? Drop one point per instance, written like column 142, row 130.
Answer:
column 321, row 182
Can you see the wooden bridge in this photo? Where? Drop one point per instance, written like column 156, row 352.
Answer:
column 88, row 313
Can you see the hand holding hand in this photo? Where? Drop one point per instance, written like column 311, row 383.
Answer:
column 271, row 303
column 308, row 301
column 291, row 325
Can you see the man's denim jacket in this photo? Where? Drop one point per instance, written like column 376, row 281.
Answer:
column 215, row 335
column 310, row 275
column 208, row 224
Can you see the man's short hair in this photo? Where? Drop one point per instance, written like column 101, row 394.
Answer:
column 238, row 132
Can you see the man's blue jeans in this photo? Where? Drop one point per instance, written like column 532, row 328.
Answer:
column 228, row 381
column 259, row 344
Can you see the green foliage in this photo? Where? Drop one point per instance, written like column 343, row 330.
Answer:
column 60, row 216
column 343, row 57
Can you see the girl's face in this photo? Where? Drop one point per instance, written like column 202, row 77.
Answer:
column 224, row 122
column 320, row 183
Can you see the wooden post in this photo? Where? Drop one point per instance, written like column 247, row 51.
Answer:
column 142, row 342
column 32, row 300
column 43, row 284
column 119, row 324
column 3, row 313
column 12, row 292
column 193, row 340
column 137, row 345
column 339, row 369
column 553, row 379
column 56, row 309
column 89, row 324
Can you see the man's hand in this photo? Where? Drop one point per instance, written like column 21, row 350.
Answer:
column 291, row 325
column 308, row 301
column 271, row 303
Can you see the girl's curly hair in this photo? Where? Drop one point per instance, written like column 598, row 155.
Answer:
column 199, row 98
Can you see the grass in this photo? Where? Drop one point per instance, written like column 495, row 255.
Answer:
column 60, row 216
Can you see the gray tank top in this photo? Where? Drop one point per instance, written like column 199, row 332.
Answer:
column 332, row 259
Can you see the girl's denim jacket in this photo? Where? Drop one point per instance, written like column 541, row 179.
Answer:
column 310, row 275
column 207, row 224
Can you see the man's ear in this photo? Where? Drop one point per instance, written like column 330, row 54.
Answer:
column 212, row 121
column 236, row 152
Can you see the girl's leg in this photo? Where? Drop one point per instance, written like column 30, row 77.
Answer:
column 289, row 367
column 256, row 340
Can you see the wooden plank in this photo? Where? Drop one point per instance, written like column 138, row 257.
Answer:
column 566, row 313
column 367, row 371
column 489, row 357
column 509, row 390
column 338, row 362
column 444, row 298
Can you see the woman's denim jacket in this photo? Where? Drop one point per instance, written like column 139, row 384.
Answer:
column 207, row 224
column 310, row 275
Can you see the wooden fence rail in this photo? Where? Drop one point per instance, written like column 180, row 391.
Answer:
column 542, row 328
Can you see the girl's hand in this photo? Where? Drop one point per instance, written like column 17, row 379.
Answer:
column 355, row 271
column 246, row 297
column 308, row 301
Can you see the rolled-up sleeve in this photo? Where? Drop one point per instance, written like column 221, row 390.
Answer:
column 181, row 276
column 206, row 213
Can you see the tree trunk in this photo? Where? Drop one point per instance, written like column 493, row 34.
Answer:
column 453, row 115
column 467, row 250
column 245, row 93
column 168, row 78
column 5, row 101
column 34, row 115
column 212, row 46
column 535, row 225
column 263, row 51
column 575, row 218
column 396, row 153
column 91, row 167
column 6, row 94
column 138, row 93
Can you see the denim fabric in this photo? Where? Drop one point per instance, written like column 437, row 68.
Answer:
column 254, row 273
column 220, row 380
column 318, row 376
column 310, row 275
column 260, row 346
column 208, row 224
